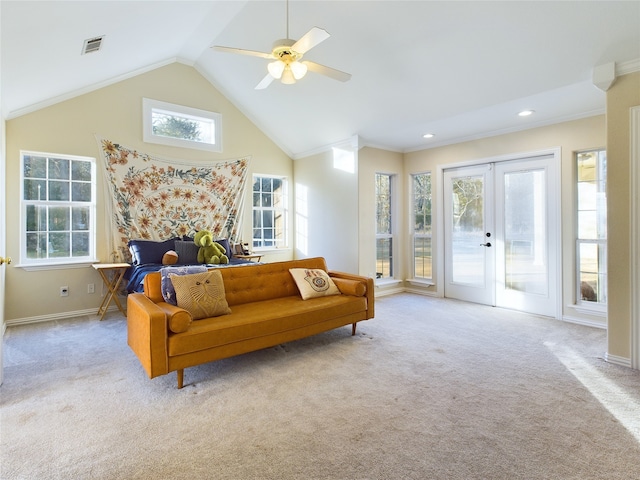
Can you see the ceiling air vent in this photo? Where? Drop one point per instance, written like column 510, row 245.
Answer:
column 92, row 45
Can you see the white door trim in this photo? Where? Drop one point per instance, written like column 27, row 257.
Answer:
column 634, row 158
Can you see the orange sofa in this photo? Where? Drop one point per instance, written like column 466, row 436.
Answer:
column 266, row 310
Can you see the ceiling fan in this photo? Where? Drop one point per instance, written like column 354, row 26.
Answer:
column 286, row 55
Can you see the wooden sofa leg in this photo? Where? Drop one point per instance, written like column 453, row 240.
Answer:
column 353, row 329
column 180, row 377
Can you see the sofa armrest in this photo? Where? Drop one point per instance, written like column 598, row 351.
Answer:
column 178, row 319
column 147, row 334
column 368, row 283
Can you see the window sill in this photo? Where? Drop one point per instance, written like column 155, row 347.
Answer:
column 595, row 310
column 421, row 282
column 31, row 267
column 387, row 282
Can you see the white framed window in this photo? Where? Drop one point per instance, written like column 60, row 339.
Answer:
column 421, row 225
column 384, row 226
column 591, row 241
column 57, row 205
column 270, row 213
column 180, row 126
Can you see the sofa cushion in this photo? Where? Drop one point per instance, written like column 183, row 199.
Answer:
column 313, row 282
column 350, row 287
column 257, row 319
column 166, row 285
column 201, row 294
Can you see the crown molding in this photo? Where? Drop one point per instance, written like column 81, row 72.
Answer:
column 625, row 68
column 505, row 131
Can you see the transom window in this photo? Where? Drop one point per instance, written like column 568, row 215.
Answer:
column 180, row 126
column 591, row 243
column 270, row 222
column 57, row 209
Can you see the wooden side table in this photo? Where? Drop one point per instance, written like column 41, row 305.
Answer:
column 112, row 275
column 252, row 256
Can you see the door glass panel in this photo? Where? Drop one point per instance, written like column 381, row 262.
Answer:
column 525, row 246
column 468, row 231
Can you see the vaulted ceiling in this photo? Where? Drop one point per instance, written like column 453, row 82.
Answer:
column 459, row 70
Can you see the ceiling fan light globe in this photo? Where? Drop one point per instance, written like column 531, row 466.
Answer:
column 287, row 76
column 276, row 68
column 298, row 69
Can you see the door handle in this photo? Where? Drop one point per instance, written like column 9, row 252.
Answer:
column 488, row 244
column 6, row 260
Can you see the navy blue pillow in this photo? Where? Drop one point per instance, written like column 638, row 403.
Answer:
column 148, row 251
column 225, row 243
column 187, row 252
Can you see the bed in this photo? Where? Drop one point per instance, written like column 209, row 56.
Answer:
column 147, row 255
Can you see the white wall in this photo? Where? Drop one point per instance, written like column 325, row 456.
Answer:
column 326, row 210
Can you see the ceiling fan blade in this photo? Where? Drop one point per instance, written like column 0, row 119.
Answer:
column 328, row 71
column 242, row 51
column 310, row 39
column 265, row 82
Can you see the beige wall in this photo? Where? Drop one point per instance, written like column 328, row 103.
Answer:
column 370, row 162
column 115, row 112
column 624, row 94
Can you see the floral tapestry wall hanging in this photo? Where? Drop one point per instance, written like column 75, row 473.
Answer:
column 155, row 199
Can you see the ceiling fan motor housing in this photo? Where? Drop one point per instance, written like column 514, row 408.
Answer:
column 282, row 50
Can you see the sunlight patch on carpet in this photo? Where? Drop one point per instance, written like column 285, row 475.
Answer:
column 618, row 402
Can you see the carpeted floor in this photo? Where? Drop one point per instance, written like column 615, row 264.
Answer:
column 429, row 389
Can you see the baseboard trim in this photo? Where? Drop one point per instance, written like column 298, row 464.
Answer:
column 91, row 312
column 582, row 321
column 420, row 291
column 388, row 291
column 616, row 360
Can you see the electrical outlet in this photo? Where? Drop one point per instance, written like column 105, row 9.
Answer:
column 64, row 291
column 91, row 288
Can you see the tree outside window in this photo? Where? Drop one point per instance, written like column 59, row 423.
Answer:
column 269, row 212
column 421, row 214
column 58, row 208
column 591, row 243
column 384, row 226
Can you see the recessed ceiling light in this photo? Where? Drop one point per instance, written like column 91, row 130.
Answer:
column 428, row 135
column 526, row 113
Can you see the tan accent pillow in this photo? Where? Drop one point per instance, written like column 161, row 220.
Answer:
column 201, row 294
column 170, row 258
column 313, row 282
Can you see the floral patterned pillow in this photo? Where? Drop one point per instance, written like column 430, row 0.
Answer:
column 166, row 285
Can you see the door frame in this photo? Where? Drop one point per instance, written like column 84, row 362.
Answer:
column 3, row 251
column 635, row 234
column 439, row 220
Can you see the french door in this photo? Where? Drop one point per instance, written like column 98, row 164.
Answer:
column 500, row 234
